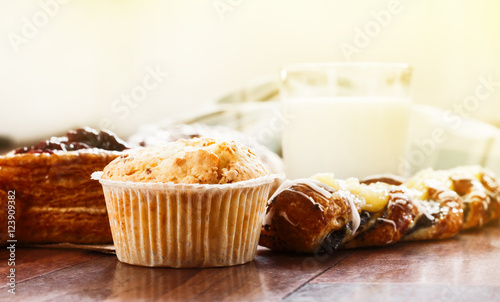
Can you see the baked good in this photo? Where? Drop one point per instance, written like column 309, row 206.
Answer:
column 190, row 203
column 364, row 215
column 152, row 135
column 194, row 161
column 478, row 188
column 323, row 214
column 304, row 214
column 55, row 199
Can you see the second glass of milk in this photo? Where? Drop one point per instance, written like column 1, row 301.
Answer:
column 350, row 119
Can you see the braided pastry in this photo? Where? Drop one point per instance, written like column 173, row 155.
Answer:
column 322, row 214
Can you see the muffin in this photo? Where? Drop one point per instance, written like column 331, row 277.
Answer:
column 190, row 203
column 151, row 135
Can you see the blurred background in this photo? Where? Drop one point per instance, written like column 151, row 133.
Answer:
column 120, row 64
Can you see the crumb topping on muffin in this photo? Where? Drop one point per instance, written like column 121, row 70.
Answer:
column 193, row 161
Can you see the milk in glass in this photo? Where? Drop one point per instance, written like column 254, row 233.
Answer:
column 349, row 136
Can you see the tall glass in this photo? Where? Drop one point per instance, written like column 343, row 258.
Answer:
column 347, row 118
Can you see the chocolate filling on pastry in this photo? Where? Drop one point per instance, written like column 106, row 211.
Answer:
column 83, row 138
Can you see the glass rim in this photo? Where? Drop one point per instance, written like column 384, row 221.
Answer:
column 318, row 65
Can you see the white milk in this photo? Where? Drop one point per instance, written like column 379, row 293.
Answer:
column 349, row 136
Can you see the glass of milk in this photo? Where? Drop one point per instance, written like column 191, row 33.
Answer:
column 350, row 119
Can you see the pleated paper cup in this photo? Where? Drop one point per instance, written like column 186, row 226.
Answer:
column 186, row 225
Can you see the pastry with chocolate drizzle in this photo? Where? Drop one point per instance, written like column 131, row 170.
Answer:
column 56, row 201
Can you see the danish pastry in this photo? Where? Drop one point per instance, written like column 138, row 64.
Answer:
column 55, row 199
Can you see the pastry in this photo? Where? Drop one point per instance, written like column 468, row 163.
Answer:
column 304, row 214
column 323, row 214
column 363, row 215
column 190, row 203
column 56, row 201
column 478, row 188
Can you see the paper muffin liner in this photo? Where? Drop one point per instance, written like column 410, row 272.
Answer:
column 186, row 225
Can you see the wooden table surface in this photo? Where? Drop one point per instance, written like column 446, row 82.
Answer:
column 465, row 268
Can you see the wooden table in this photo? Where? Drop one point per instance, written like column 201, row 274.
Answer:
column 465, row 268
